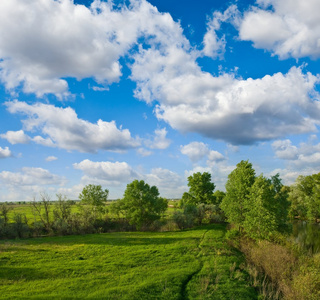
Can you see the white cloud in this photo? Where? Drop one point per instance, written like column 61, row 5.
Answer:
column 100, row 89
column 198, row 150
column 291, row 29
column 112, row 172
column 44, row 141
column 60, row 39
column 304, row 156
column 300, row 160
column 195, row 151
column 65, row 130
column 144, row 152
column 234, row 110
column 169, row 183
column 160, row 140
column 31, row 177
column 285, row 150
column 16, row 137
column 51, row 158
column 213, row 45
column 5, row 152
column 214, row 157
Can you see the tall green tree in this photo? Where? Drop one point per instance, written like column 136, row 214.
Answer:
column 304, row 197
column 141, row 203
column 218, row 196
column 95, row 197
column 280, row 204
column 260, row 217
column 200, row 190
column 238, row 189
column 313, row 210
column 4, row 212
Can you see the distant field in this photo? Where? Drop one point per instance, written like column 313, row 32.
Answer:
column 193, row 264
column 26, row 209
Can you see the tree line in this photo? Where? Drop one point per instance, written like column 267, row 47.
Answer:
column 254, row 205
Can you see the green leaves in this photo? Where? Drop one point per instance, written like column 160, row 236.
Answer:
column 305, row 197
column 141, row 203
column 94, row 196
column 238, row 188
column 256, row 205
column 200, row 189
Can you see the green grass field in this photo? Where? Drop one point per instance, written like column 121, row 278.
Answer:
column 193, row 264
column 27, row 210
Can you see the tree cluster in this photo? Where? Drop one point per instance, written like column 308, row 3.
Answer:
column 304, row 197
column 141, row 204
column 256, row 205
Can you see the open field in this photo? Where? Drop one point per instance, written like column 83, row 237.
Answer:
column 193, row 264
column 27, row 210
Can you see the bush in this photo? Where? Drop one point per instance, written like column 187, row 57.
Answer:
column 20, row 226
column 306, row 285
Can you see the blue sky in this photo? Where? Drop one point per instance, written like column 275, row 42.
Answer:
column 107, row 92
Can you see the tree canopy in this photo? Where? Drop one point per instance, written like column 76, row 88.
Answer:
column 257, row 205
column 304, row 197
column 238, row 189
column 94, row 196
column 200, row 189
column 141, row 203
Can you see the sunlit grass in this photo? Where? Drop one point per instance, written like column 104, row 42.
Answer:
column 193, row 264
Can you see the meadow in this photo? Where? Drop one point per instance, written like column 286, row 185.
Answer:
column 191, row 264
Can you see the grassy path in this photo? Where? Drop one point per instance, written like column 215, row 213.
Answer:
column 193, row 264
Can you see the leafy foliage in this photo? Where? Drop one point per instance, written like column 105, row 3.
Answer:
column 260, row 219
column 304, row 197
column 141, row 204
column 238, row 189
column 200, row 189
column 94, row 196
column 257, row 205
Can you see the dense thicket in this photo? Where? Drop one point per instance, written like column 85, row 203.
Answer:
column 255, row 204
column 304, row 197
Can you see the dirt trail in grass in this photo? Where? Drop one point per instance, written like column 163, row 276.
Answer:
column 184, row 291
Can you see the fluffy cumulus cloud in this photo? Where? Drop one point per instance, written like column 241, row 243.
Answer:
column 111, row 172
column 215, row 157
column 164, row 67
column 51, row 158
column 16, row 137
column 5, row 152
column 214, row 46
column 235, row 110
column 170, row 184
column 303, row 159
column 28, row 183
column 285, row 150
column 60, row 39
column 61, row 127
column 195, row 150
column 198, row 150
column 31, row 177
column 144, row 152
column 290, row 29
column 160, row 140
